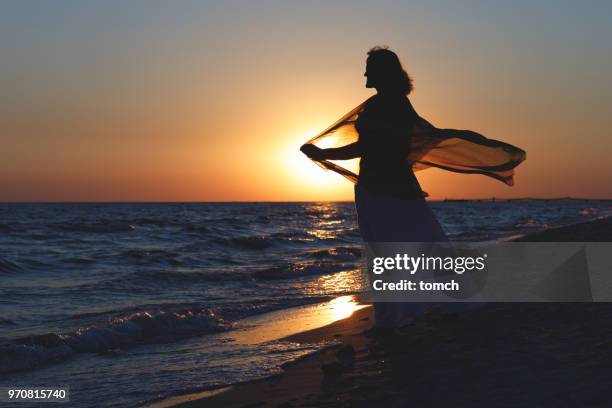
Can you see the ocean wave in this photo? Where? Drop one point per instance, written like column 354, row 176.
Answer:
column 337, row 253
column 261, row 242
column 226, row 221
column 301, row 269
column 122, row 332
column 327, row 262
column 79, row 261
column 293, row 236
column 200, row 229
column 591, row 212
column 143, row 221
column 8, row 266
column 246, row 242
column 7, row 322
column 151, row 253
column 188, row 276
column 103, row 227
column 150, row 221
column 36, row 263
column 19, row 356
column 145, row 280
column 531, row 223
column 150, row 325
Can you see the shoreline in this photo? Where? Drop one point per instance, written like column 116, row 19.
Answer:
column 328, row 324
column 380, row 366
column 300, row 378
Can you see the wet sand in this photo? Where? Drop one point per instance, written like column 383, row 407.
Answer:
column 501, row 355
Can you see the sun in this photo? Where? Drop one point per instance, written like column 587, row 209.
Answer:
column 308, row 172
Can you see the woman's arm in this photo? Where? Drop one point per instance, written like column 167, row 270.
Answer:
column 347, row 152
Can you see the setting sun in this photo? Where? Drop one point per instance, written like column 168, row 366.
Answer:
column 312, row 179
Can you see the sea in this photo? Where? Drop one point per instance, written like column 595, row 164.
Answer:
column 129, row 303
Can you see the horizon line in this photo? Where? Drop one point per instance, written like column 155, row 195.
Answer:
column 568, row 198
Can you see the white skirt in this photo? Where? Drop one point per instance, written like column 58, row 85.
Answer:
column 385, row 218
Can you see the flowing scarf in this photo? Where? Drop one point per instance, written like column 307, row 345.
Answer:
column 460, row 151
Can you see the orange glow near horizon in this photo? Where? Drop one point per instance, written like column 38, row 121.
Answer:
column 211, row 103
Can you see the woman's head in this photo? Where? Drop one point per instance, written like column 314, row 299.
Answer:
column 385, row 72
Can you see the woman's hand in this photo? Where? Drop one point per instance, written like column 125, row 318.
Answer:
column 313, row 152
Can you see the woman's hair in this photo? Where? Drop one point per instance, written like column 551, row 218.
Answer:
column 391, row 73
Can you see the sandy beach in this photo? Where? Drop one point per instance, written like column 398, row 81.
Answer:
column 514, row 354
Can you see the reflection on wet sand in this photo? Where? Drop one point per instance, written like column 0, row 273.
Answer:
column 283, row 323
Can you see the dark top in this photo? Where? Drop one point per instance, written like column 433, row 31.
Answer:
column 385, row 130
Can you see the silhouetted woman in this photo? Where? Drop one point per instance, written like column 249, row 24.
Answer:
column 390, row 204
column 393, row 141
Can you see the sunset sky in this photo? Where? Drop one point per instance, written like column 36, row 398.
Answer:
column 210, row 101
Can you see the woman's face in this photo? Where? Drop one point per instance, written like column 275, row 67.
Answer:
column 370, row 74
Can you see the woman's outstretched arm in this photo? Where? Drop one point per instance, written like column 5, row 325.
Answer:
column 347, row 152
